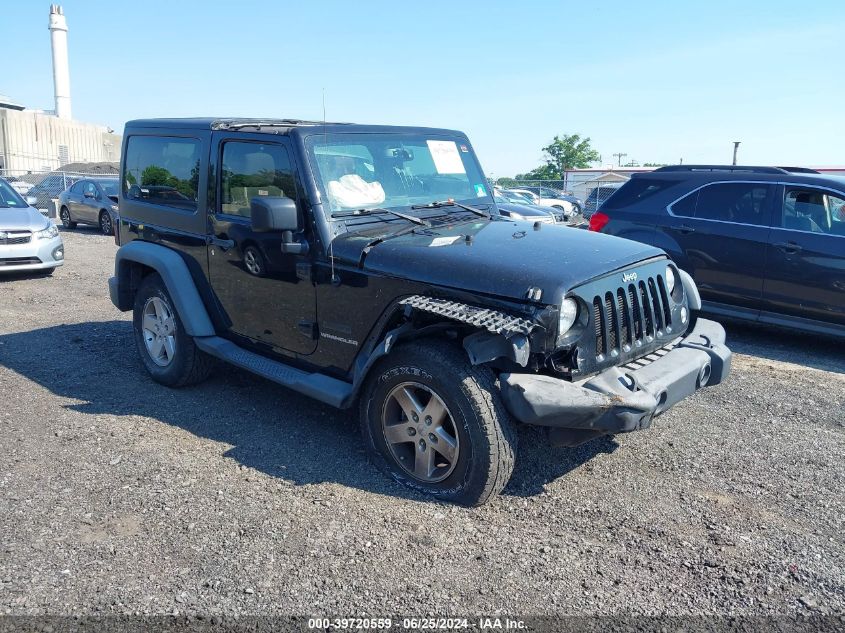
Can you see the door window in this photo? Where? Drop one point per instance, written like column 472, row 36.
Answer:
column 77, row 188
column 813, row 211
column 90, row 190
column 738, row 202
column 162, row 170
column 253, row 170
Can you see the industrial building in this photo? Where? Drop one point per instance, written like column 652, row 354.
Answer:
column 41, row 140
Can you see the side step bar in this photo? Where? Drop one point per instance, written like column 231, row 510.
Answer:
column 323, row 388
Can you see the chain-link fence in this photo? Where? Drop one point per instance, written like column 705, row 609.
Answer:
column 590, row 189
column 43, row 188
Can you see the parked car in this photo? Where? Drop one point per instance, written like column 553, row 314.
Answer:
column 28, row 240
column 764, row 244
column 19, row 184
column 552, row 197
column 555, row 201
column 597, row 196
column 90, row 201
column 516, row 211
column 398, row 289
column 516, row 203
column 50, row 188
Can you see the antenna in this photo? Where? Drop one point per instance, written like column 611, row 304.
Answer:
column 335, row 278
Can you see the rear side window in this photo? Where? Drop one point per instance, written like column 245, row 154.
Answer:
column 636, row 190
column 162, row 170
column 253, row 170
column 740, row 202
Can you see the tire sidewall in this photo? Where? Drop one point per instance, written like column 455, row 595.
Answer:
column 466, row 479
column 64, row 212
column 152, row 286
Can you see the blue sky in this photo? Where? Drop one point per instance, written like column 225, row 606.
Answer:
column 657, row 80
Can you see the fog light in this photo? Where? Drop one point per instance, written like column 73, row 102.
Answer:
column 684, row 315
column 59, row 253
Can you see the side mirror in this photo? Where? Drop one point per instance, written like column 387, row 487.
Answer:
column 273, row 214
column 89, row 194
column 31, row 200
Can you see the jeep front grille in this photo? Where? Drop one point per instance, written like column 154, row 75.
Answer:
column 631, row 316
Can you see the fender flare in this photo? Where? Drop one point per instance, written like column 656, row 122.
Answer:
column 176, row 276
column 691, row 290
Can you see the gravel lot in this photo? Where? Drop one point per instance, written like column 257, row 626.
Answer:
column 118, row 495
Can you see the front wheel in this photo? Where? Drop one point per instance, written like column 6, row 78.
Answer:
column 64, row 214
column 167, row 351
column 435, row 423
column 106, row 225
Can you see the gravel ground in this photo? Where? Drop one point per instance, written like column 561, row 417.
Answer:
column 118, row 495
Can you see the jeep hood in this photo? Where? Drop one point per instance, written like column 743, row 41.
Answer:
column 499, row 258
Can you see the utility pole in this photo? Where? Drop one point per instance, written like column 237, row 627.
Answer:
column 736, row 147
column 619, row 157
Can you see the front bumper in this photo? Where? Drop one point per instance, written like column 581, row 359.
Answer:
column 38, row 254
column 619, row 400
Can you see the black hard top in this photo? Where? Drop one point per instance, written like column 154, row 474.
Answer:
column 282, row 126
column 708, row 173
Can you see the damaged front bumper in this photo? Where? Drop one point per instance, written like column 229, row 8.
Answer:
column 619, row 399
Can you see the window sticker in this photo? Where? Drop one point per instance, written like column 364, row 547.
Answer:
column 464, row 149
column 446, row 158
column 480, row 191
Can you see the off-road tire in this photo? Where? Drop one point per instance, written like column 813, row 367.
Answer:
column 487, row 438
column 189, row 365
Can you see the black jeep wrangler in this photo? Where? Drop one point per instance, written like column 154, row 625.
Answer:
column 368, row 264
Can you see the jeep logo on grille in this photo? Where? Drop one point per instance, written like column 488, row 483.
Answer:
column 629, row 277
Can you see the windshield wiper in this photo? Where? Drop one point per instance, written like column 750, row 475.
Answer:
column 379, row 211
column 439, row 204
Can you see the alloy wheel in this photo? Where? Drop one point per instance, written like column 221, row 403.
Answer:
column 420, row 432
column 159, row 329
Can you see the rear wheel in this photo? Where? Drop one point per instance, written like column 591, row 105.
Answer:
column 64, row 215
column 435, row 423
column 167, row 351
column 105, row 223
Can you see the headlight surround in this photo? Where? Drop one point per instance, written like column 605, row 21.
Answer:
column 671, row 280
column 568, row 316
column 49, row 233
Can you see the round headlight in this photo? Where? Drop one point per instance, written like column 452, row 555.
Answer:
column 670, row 280
column 568, row 314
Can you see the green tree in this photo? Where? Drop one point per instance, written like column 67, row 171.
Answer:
column 568, row 151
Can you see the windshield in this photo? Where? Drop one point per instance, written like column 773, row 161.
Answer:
column 109, row 186
column 9, row 198
column 368, row 171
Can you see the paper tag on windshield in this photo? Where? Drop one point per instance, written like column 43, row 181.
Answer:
column 446, row 158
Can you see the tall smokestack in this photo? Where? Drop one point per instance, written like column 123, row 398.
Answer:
column 61, row 71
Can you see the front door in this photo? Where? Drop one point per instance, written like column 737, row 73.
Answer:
column 722, row 231
column 89, row 206
column 256, row 285
column 806, row 261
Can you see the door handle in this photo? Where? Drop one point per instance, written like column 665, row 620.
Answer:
column 790, row 248
column 685, row 229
